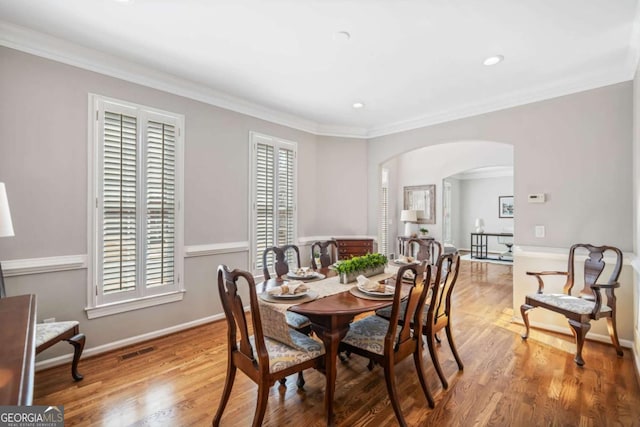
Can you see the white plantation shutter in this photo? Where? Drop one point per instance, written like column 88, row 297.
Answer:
column 274, row 195
column 383, row 247
column 137, row 184
column 119, row 229
column 160, row 200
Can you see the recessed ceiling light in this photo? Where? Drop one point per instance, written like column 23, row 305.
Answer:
column 493, row 60
column 358, row 105
column 341, row 36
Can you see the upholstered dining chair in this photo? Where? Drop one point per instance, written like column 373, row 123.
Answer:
column 424, row 250
column 588, row 305
column 326, row 254
column 264, row 360
column 389, row 341
column 48, row 334
column 437, row 311
column 280, row 263
column 281, row 267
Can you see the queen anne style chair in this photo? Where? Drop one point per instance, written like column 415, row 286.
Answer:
column 327, row 255
column 387, row 342
column 48, row 334
column 437, row 311
column 588, row 305
column 427, row 250
column 264, row 360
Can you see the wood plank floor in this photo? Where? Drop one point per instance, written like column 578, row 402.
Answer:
column 506, row 382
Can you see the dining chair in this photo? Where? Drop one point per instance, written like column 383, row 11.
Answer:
column 280, row 262
column 437, row 311
column 281, row 267
column 48, row 334
column 389, row 341
column 588, row 304
column 326, row 254
column 425, row 250
column 264, row 360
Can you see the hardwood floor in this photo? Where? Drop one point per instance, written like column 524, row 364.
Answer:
column 506, row 381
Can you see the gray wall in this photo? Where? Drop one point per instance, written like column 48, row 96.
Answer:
column 43, row 161
column 575, row 148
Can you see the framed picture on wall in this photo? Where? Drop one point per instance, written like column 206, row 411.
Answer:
column 421, row 198
column 505, row 206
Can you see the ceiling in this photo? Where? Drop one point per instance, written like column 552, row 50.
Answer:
column 411, row 62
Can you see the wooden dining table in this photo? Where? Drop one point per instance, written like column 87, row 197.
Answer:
column 330, row 317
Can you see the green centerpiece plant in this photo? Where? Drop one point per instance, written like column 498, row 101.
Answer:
column 366, row 265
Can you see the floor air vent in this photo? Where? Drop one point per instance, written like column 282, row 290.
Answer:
column 137, row 353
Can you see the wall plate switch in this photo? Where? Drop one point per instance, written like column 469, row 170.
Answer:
column 539, row 230
column 49, row 320
column 536, row 198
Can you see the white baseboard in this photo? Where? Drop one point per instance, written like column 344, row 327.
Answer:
column 94, row 351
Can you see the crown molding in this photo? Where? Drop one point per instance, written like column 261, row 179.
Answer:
column 46, row 46
column 509, row 100
column 39, row 44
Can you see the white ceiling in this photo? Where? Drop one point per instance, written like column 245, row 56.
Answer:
column 412, row 62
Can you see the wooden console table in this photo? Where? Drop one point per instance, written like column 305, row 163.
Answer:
column 480, row 245
column 17, row 354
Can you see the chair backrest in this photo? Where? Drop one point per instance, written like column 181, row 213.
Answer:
column 593, row 267
column 441, row 290
column 229, row 283
column 280, row 265
column 428, row 250
column 405, row 341
column 326, row 253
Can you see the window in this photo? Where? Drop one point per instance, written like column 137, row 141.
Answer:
column 135, row 206
column 273, row 195
column 383, row 247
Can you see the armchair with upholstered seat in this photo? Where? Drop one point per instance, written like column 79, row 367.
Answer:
column 588, row 305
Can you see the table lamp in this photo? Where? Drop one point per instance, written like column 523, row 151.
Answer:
column 6, row 227
column 479, row 225
column 408, row 217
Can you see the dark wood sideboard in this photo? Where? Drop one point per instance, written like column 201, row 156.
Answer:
column 18, row 350
column 350, row 247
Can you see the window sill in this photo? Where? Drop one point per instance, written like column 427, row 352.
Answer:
column 130, row 305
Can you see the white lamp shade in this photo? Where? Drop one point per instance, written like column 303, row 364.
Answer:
column 479, row 225
column 409, row 216
column 6, row 226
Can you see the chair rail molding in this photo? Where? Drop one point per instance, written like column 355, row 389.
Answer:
column 215, row 249
column 20, row 267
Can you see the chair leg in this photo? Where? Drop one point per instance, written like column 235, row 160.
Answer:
column 261, row 405
column 613, row 333
column 454, row 350
column 226, row 392
column 417, row 360
column 77, row 341
column 436, row 362
column 300, row 383
column 579, row 331
column 389, row 377
column 524, row 311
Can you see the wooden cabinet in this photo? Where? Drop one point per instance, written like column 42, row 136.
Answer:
column 348, row 248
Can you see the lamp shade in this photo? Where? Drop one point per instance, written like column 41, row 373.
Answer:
column 409, row 216
column 479, row 225
column 6, row 226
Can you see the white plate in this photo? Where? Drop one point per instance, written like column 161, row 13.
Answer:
column 310, row 275
column 397, row 261
column 390, row 290
column 290, row 296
